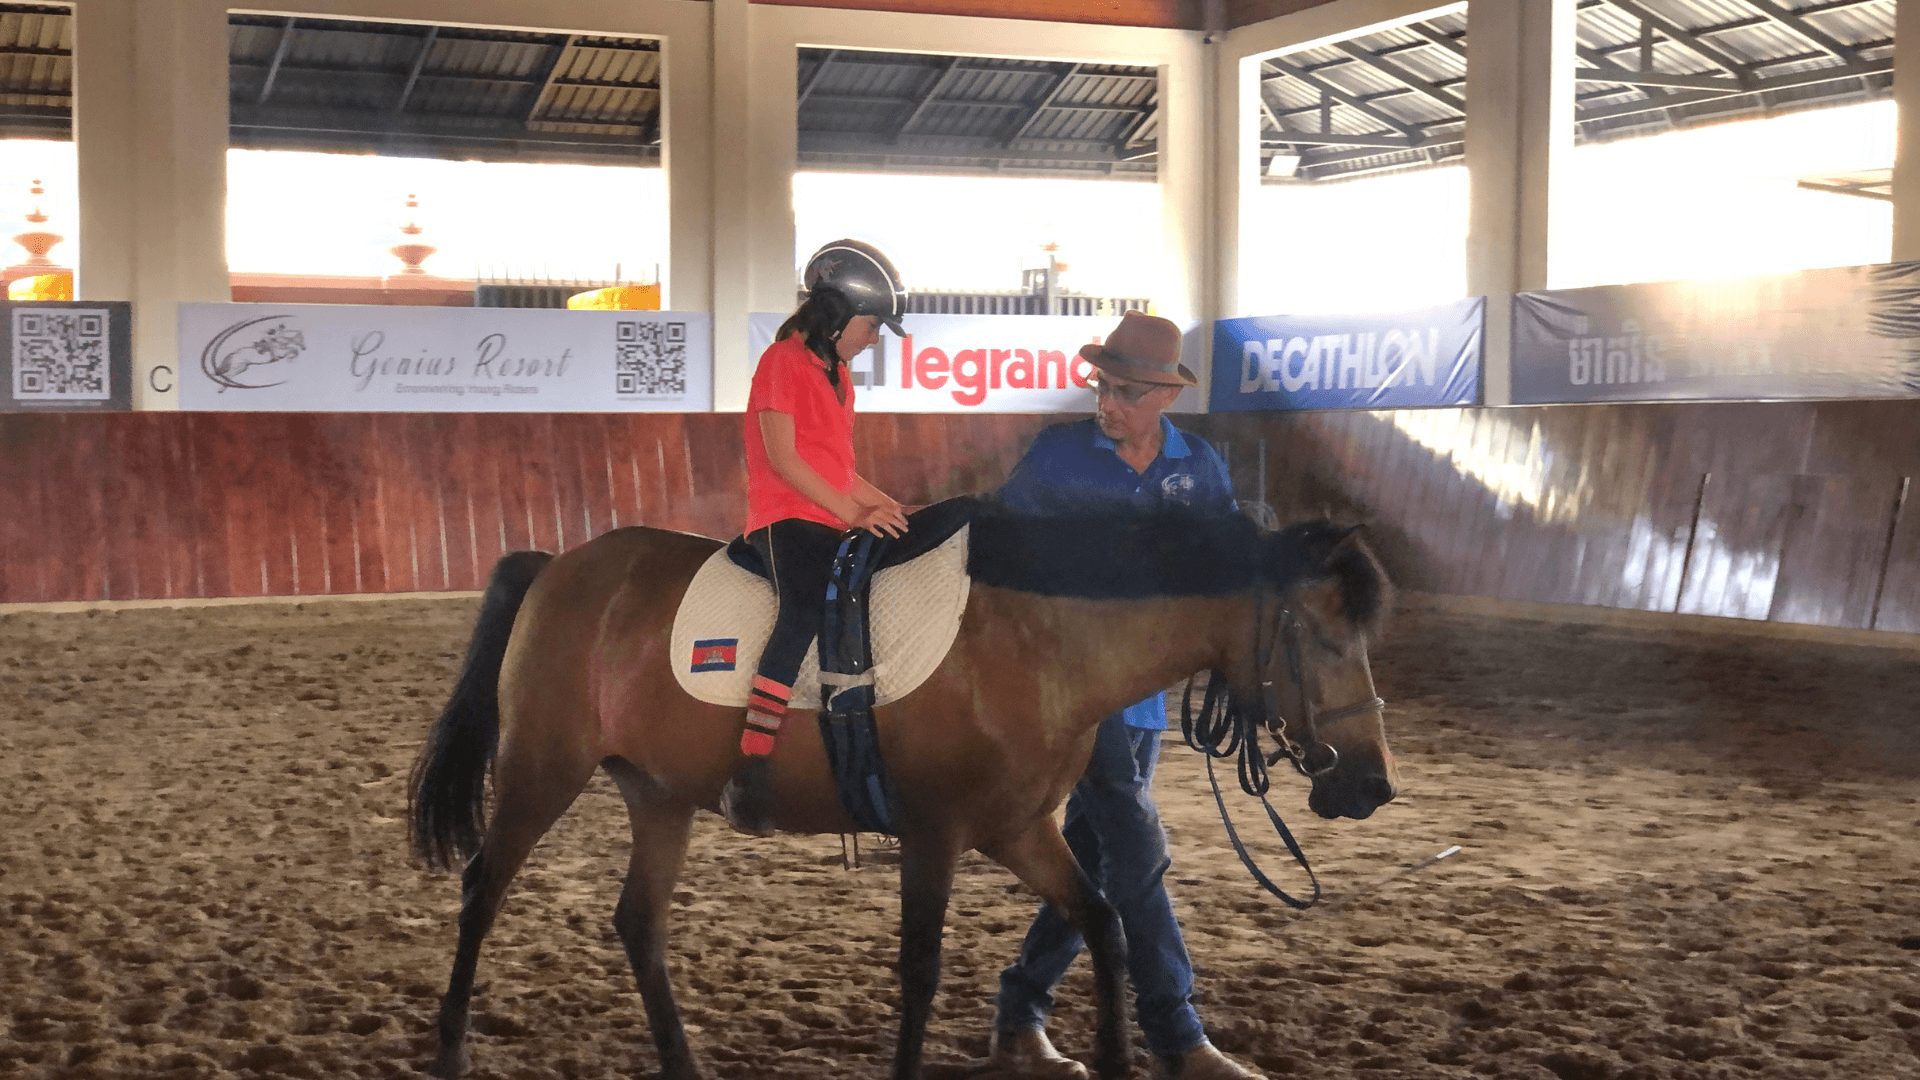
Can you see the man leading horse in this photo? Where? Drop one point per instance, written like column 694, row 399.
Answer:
column 1129, row 456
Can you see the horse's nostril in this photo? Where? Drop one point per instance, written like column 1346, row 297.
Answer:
column 1380, row 790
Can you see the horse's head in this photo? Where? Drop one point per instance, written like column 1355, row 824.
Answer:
column 1323, row 597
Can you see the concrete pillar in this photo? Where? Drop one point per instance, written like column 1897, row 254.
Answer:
column 150, row 133
column 773, row 136
column 733, row 87
column 1519, row 136
column 1906, row 166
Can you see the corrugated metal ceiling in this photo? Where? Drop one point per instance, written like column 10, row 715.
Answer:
column 1395, row 99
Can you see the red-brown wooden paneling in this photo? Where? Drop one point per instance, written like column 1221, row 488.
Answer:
column 1783, row 511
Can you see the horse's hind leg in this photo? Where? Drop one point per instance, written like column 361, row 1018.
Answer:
column 660, row 828
column 531, row 791
column 1039, row 856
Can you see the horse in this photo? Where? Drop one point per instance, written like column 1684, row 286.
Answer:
column 1067, row 620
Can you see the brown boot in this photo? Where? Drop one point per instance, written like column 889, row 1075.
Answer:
column 1203, row 1062
column 747, row 800
column 1030, row 1055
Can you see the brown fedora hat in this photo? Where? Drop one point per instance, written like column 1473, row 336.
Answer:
column 1144, row 348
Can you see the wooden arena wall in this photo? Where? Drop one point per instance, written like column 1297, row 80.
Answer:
column 1792, row 512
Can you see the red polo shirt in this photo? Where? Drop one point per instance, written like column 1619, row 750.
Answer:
column 790, row 379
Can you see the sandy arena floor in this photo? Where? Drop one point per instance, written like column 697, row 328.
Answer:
column 1695, row 857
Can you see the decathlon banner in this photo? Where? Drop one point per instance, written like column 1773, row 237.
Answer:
column 325, row 358
column 1846, row 332
column 1398, row 360
column 971, row 363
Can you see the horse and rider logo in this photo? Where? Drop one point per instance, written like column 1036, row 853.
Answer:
column 715, row 654
column 275, row 344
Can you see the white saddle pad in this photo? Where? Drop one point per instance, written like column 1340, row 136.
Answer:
column 725, row 619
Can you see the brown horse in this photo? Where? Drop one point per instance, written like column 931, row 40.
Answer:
column 1068, row 620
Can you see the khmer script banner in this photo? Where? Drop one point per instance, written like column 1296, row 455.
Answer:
column 326, row 358
column 1393, row 360
column 1845, row 332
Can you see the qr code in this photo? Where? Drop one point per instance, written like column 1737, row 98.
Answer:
column 60, row 355
column 650, row 359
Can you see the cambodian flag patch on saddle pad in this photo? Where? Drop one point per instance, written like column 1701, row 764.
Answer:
column 715, row 654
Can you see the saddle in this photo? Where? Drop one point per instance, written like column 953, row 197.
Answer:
column 893, row 611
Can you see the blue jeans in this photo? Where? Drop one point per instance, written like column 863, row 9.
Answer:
column 1114, row 830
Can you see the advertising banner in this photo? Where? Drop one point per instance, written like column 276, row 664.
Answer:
column 1845, row 332
column 66, row 355
column 1394, row 360
column 970, row 363
column 324, row 358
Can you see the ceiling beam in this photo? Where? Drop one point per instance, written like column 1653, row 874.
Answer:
column 1402, row 76
column 1793, row 21
column 1312, row 138
column 279, row 57
column 1686, row 39
column 542, row 80
column 1334, row 93
column 419, row 65
column 927, row 98
column 1046, row 101
column 819, row 70
column 1644, row 79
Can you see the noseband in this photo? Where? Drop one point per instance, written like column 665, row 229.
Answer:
column 1290, row 630
column 1224, row 728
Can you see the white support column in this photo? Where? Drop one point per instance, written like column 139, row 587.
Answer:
column 687, row 147
column 733, row 82
column 773, row 136
column 1519, row 135
column 150, row 128
column 1185, row 174
column 1906, row 166
column 103, row 136
column 1236, row 153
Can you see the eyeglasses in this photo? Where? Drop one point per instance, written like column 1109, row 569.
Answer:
column 1128, row 393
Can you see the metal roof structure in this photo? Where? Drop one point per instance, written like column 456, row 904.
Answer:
column 913, row 112
column 389, row 88
column 440, row 91
column 36, row 71
column 1389, row 100
column 1396, row 99
column 1866, row 184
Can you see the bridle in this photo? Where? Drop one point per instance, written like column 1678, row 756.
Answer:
column 1224, row 728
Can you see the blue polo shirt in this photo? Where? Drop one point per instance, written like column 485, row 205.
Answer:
column 1074, row 466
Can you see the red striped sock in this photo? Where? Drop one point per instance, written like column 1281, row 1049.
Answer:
column 766, row 709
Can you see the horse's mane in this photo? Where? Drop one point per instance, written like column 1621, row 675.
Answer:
column 1176, row 551
column 1114, row 554
column 1321, row 549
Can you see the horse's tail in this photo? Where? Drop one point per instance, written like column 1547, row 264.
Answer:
column 447, row 793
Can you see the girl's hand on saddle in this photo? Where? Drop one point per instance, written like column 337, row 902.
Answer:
column 885, row 520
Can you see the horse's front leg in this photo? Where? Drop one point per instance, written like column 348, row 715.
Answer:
column 926, row 880
column 1040, row 857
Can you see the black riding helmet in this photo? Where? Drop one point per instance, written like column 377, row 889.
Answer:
column 859, row 272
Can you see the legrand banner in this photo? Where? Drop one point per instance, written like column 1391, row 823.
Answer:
column 322, row 358
column 1845, row 332
column 1399, row 360
column 970, row 363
